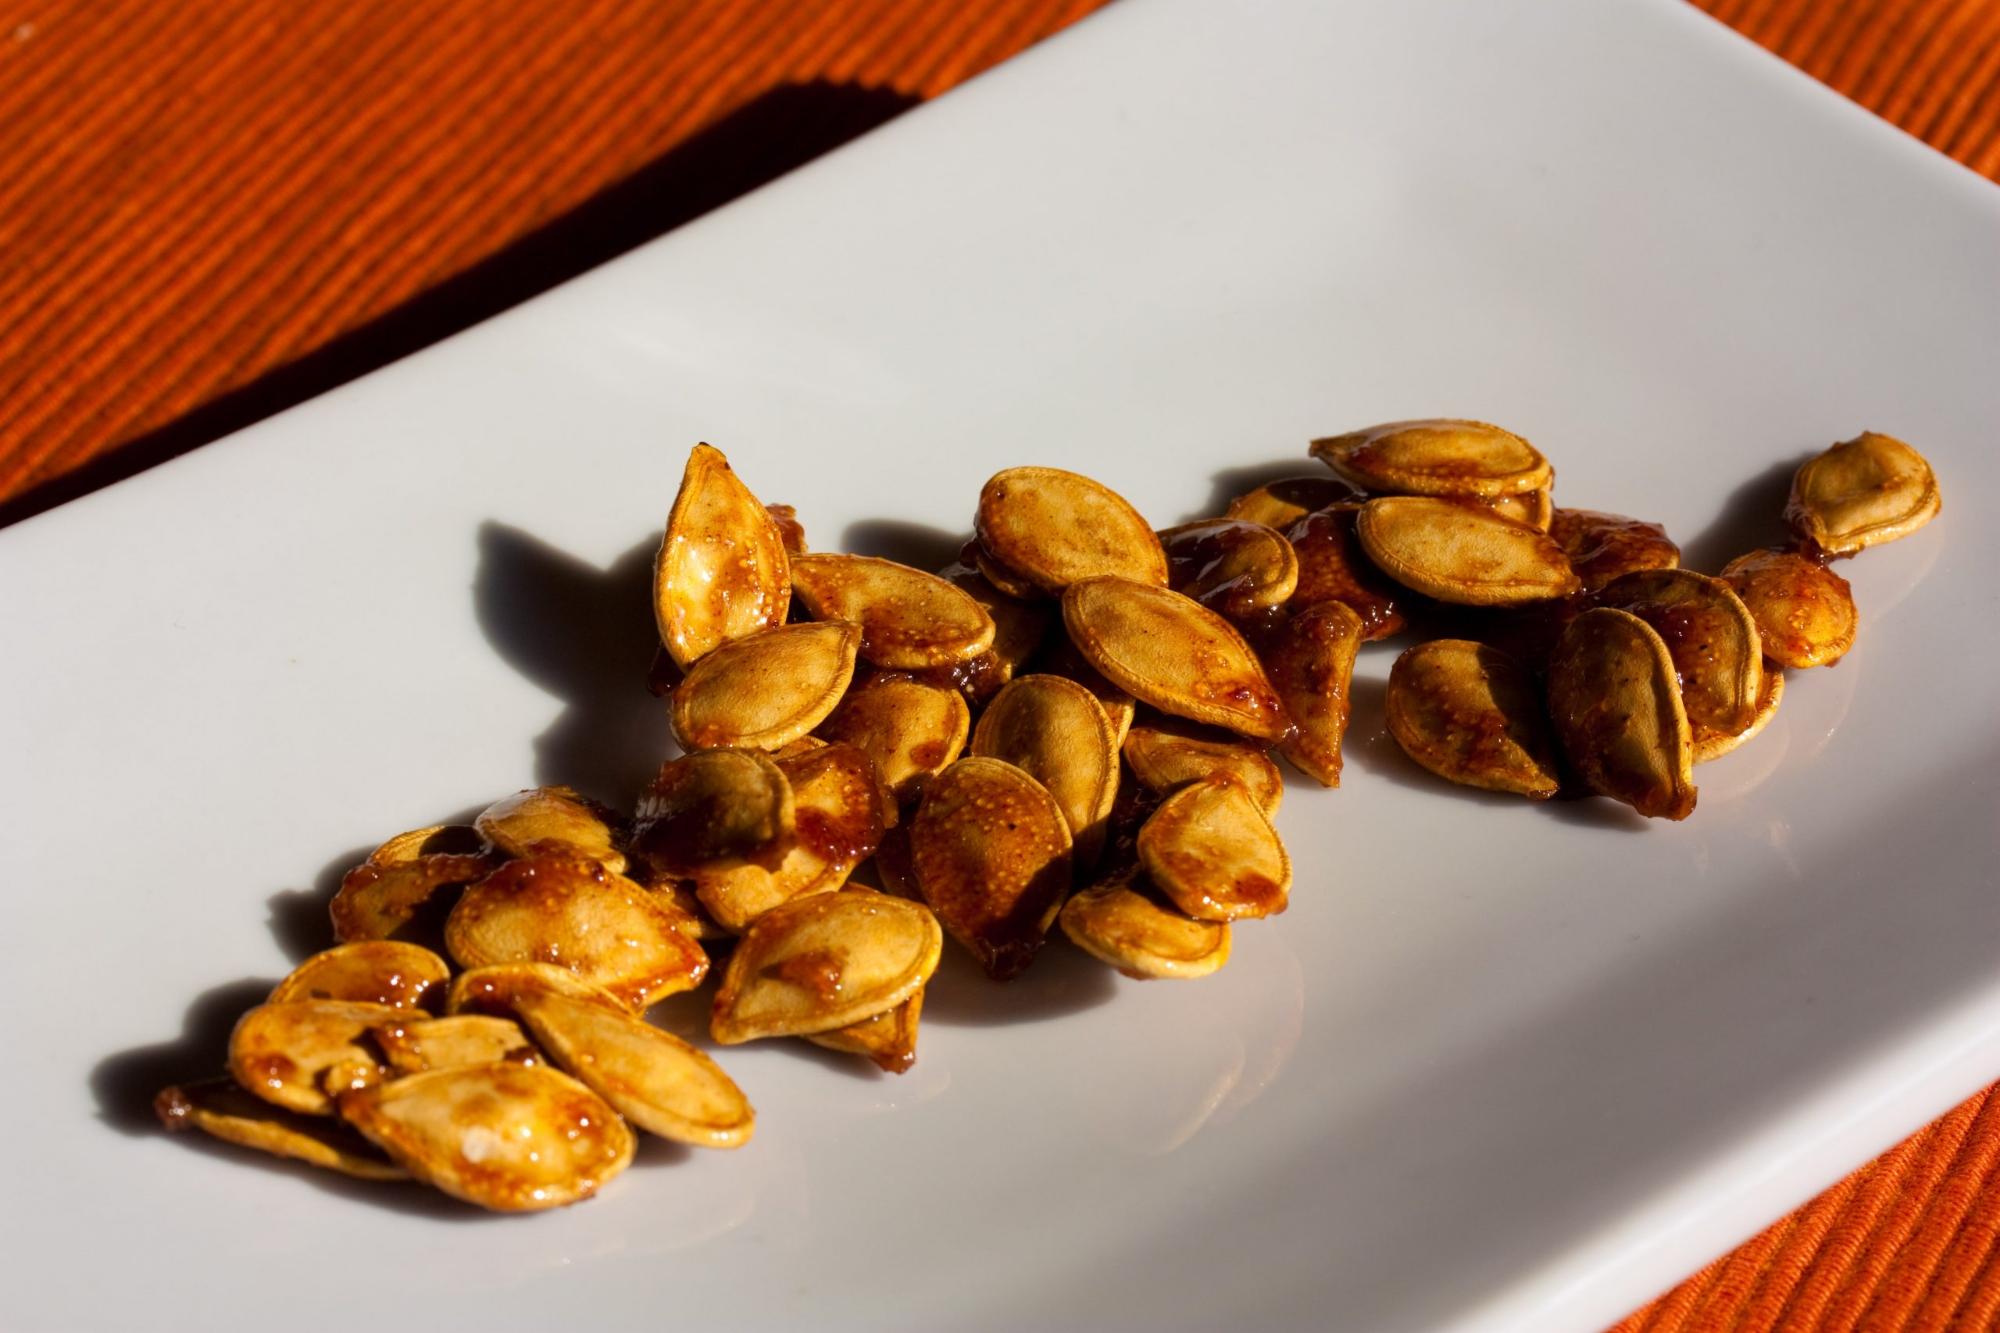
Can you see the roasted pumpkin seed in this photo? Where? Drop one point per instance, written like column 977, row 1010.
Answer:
column 1534, row 508
column 823, row 962
column 1439, row 457
column 840, row 821
column 217, row 1107
column 1804, row 611
column 908, row 619
column 1860, row 493
column 1711, row 636
column 1166, row 755
column 1018, row 626
column 413, row 1045
column 1616, row 704
column 1143, row 938
column 283, row 1052
column 578, row 915
column 383, row 894
column 1460, row 554
column 1173, row 653
column 1279, row 504
column 715, row 810
column 552, row 819
column 1334, row 568
column 722, row 572
column 1006, row 581
column 766, row 689
column 791, row 532
column 1055, row 731
column 652, row 1078
column 1472, row 715
column 1310, row 660
column 1232, row 566
column 496, row 989
column 1053, row 528
column 1601, row 546
column 889, row 1038
column 1059, row 657
column 1212, row 852
column 371, row 971
column 990, row 852
column 911, row 727
column 1713, row 745
column 509, row 1137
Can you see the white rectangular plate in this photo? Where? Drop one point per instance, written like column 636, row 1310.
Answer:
column 1500, row 1066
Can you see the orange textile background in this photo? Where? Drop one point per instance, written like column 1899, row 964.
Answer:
column 210, row 212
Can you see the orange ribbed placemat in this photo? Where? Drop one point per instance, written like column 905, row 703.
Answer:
column 209, row 212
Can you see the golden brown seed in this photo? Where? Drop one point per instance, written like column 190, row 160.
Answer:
column 990, row 852
column 652, row 1078
column 823, row 962
column 791, row 532
column 912, row 728
column 433, row 840
column 1534, row 508
column 1232, row 566
column 840, row 821
column 1711, row 636
column 380, row 896
column 1472, row 715
column 1165, row 755
column 1804, row 611
column 413, row 1045
column 1053, row 528
column 283, row 1052
column 677, row 898
column 372, row 971
column 1059, row 657
column 1616, row 705
column 1211, row 851
column 1173, row 653
column 1862, row 492
column 908, row 619
column 512, row 1138
column 219, row 1108
column 577, row 915
column 889, row 1038
column 1055, row 731
column 1006, row 581
column 1440, row 457
column 1141, row 937
column 715, row 810
column 1279, row 504
column 1602, row 546
column 722, row 572
column 1310, row 660
column 1334, row 568
column 1460, row 554
column 767, row 689
column 496, row 989
column 552, row 819
column 1018, row 626
column 1713, row 745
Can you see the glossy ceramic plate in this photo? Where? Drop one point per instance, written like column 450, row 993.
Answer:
column 1500, row 1066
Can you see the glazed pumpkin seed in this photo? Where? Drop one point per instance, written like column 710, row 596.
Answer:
column 722, row 572
column 1460, row 554
column 1232, row 566
column 552, row 819
column 990, row 852
column 1141, row 937
column 823, row 962
column 1534, row 508
column 283, row 1052
column 652, row 1078
column 676, row 897
column 1008, row 582
column 578, row 915
column 715, row 810
column 1616, row 705
column 1055, row 731
column 217, row 1107
column 372, row 971
column 791, row 532
column 1053, row 528
column 889, row 1038
column 1472, row 715
column 383, row 894
column 1173, row 653
column 908, row 619
column 1164, row 756
column 1804, row 611
column 1212, row 852
column 1860, row 493
column 1310, row 660
column 911, row 727
column 1279, row 504
column 840, row 821
column 1602, row 546
column 496, row 989
column 1713, row 745
column 1440, row 457
column 1059, row 657
column 1711, row 636
column 766, row 689
column 1334, row 568
column 509, row 1137
column 413, row 1045
column 1018, row 626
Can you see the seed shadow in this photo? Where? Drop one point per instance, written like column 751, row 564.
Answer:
column 1231, row 482
column 1062, row 980
column 844, row 1063
column 1752, row 517
column 298, row 917
column 125, row 1083
column 918, row 545
column 586, row 635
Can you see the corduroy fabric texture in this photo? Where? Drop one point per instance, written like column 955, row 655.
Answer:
column 209, row 212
